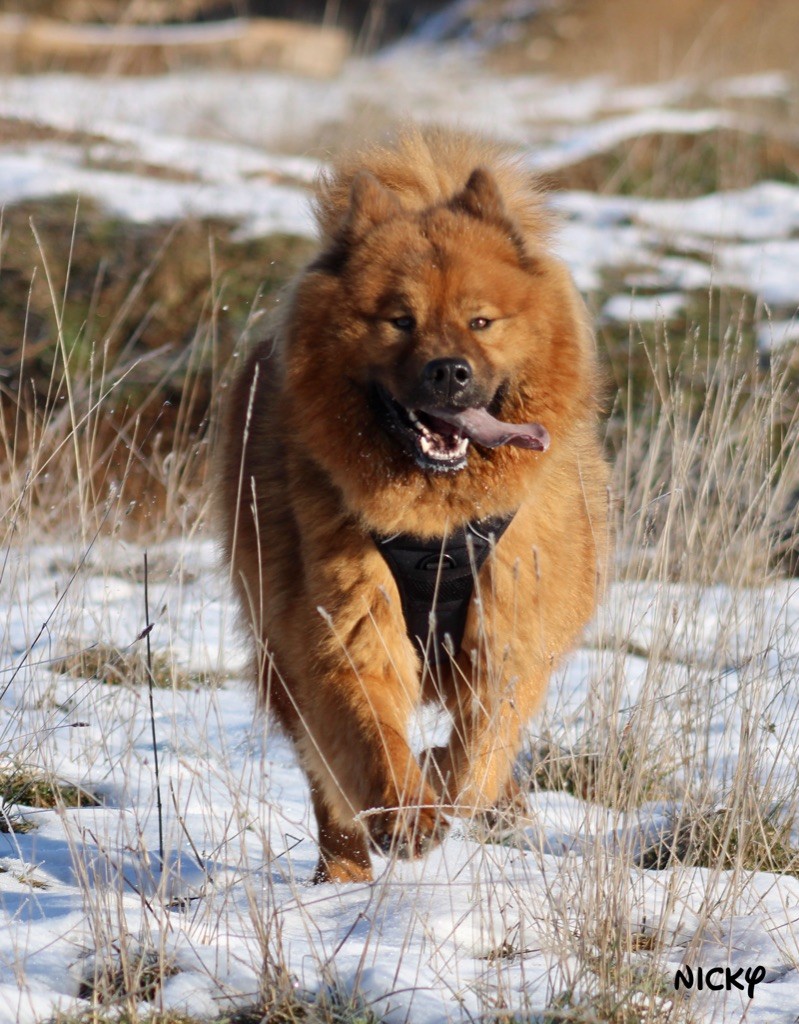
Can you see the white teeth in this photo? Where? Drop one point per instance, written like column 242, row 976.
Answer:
column 430, row 443
column 432, row 451
column 421, row 427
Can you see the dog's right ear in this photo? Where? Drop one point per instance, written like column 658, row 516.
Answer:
column 370, row 204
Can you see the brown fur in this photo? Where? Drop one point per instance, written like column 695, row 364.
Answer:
column 307, row 473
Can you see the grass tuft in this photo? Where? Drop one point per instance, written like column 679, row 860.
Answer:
column 329, row 1007
column 29, row 787
column 623, row 774
column 129, row 975
column 726, row 841
column 630, row 1005
column 126, row 667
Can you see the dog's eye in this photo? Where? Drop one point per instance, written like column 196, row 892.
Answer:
column 479, row 323
column 403, row 323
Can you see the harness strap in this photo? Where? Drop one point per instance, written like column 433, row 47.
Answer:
column 438, row 576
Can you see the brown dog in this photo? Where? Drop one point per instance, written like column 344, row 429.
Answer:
column 417, row 432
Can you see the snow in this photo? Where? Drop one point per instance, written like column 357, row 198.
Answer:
column 420, row 944
column 768, row 210
column 745, row 235
column 598, row 138
column 773, row 334
column 53, row 171
column 767, row 269
column 637, row 308
column 242, row 142
column 767, row 85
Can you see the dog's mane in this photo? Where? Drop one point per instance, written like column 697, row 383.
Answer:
column 426, row 166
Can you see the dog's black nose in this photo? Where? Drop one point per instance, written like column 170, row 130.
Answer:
column 446, row 380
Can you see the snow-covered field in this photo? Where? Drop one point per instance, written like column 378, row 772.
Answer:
column 705, row 680
column 475, row 925
column 238, row 141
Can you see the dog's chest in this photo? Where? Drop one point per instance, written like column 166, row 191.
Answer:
column 435, row 579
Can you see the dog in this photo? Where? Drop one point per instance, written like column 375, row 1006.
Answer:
column 412, row 490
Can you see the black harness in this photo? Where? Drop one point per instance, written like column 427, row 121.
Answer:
column 437, row 576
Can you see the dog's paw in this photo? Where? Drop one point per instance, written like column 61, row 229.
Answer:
column 408, row 831
column 510, row 813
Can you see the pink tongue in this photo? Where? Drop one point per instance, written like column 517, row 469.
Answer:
column 485, row 429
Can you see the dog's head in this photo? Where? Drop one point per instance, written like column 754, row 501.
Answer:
column 445, row 312
column 434, row 339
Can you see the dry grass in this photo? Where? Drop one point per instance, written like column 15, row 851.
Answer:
column 706, row 452
column 288, row 1009
column 113, row 343
column 116, row 668
column 639, row 42
column 704, row 469
column 30, row 787
column 677, row 165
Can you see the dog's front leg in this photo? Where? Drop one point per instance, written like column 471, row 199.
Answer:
column 365, row 779
column 494, row 699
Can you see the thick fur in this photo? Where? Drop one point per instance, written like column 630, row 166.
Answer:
column 445, row 228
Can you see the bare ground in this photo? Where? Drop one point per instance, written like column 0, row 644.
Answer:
column 643, row 41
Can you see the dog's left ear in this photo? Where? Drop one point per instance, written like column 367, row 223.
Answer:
column 481, row 198
column 370, row 204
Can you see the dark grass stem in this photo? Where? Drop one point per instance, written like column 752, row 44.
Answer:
column 45, row 625
column 147, row 631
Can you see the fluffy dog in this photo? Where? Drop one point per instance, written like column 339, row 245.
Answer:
column 413, row 494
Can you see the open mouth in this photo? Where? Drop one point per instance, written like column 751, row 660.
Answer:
column 439, row 439
column 434, row 443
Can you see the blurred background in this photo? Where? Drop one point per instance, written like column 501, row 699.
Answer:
column 157, row 156
column 627, row 37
